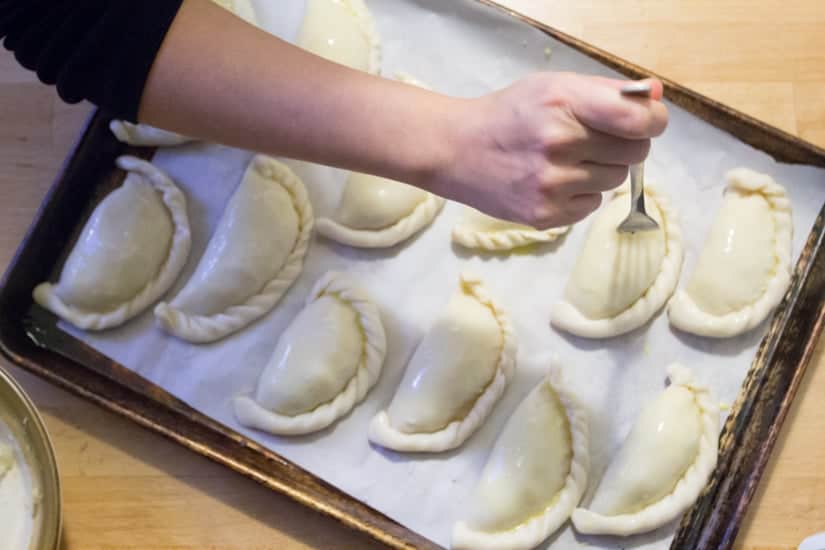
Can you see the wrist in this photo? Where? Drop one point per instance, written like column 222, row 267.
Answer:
column 432, row 150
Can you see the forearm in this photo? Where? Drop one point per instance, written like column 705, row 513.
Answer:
column 296, row 105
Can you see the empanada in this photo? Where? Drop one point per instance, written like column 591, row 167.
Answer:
column 129, row 253
column 480, row 231
column 662, row 466
column 325, row 362
column 534, row 477
column 342, row 31
column 454, row 378
column 745, row 266
column 621, row 280
column 376, row 212
column 143, row 135
column 255, row 254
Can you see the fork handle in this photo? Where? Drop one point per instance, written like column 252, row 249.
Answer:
column 637, row 186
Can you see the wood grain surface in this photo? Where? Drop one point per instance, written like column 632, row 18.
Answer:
column 125, row 487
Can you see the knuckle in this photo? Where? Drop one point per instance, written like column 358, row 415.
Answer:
column 537, row 213
column 557, row 137
column 550, row 137
column 549, row 181
column 555, row 99
column 543, row 88
column 540, row 217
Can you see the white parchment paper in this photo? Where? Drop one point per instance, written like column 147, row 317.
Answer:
column 463, row 49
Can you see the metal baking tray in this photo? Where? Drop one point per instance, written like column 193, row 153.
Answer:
column 30, row 338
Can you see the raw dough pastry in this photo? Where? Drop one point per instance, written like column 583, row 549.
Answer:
column 376, row 212
column 535, row 476
column 242, row 8
column 621, row 279
column 131, row 250
column 325, row 362
column 342, row 31
column 662, row 466
column 143, row 135
column 745, row 266
column 480, row 231
column 455, row 377
column 255, row 254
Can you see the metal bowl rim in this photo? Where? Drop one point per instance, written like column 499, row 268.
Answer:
column 48, row 538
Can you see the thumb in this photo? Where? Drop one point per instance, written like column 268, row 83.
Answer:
column 597, row 103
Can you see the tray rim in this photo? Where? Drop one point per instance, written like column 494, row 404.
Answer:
column 375, row 524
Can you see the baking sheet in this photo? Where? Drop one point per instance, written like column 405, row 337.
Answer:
column 459, row 48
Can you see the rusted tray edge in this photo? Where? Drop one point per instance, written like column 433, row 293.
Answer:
column 781, row 145
column 756, row 418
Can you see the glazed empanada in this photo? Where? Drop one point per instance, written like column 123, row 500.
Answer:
column 480, row 231
column 376, row 212
column 129, row 253
column 745, row 266
column 621, row 280
column 143, row 135
column 242, row 8
column 662, row 466
column 255, row 254
column 373, row 203
column 534, row 477
column 454, row 378
column 324, row 364
column 342, row 31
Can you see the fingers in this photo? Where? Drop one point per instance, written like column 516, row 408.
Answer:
column 552, row 143
column 588, row 145
column 581, row 206
column 570, row 193
column 584, row 178
column 574, row 192
column 598, row 104
column 568, row 212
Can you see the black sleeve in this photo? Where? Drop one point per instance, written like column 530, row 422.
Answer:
column 99, row 50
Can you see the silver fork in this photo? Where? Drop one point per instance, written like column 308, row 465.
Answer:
column 637, row 219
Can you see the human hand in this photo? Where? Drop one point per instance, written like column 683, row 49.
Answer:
column 542, row 151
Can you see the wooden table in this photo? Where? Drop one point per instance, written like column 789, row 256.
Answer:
column 125, row 487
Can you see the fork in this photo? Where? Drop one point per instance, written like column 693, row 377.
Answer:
column 637, row 219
